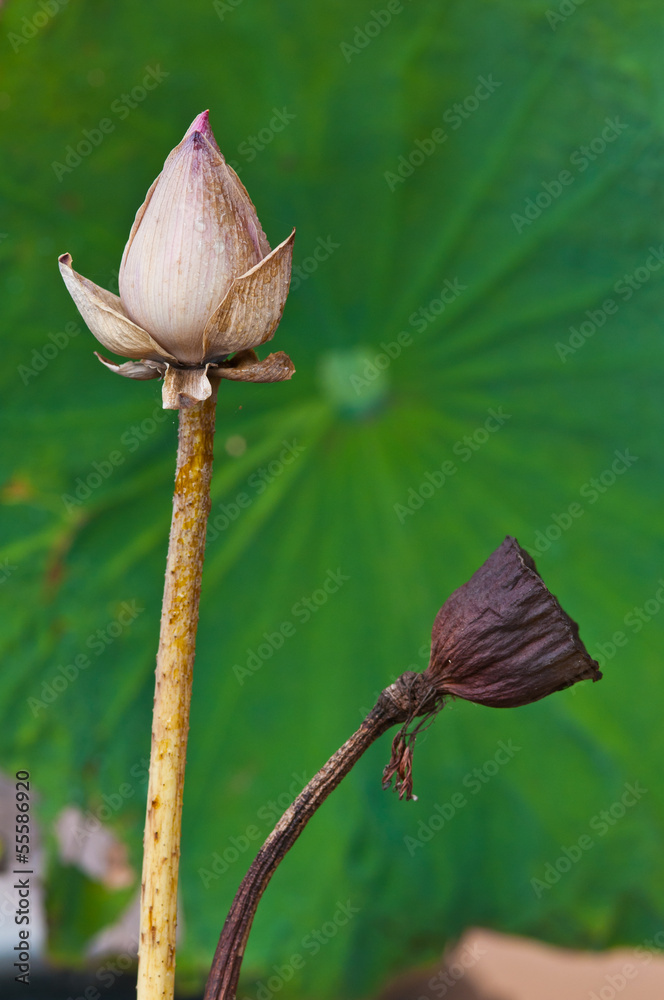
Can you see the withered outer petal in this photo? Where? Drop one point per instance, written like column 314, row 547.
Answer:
column 107, row 319
column 184, row 387
column 253, row 305
column 245, row 367
column 503, row 640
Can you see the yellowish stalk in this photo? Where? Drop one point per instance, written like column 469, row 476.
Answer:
column 170, row 726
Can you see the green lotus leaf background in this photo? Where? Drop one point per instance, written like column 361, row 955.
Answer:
column 476, row 322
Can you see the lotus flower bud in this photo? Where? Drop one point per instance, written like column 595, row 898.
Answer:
column 198, row 281
column 502, row 640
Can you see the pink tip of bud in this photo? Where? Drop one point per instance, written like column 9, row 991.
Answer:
column 201, row 124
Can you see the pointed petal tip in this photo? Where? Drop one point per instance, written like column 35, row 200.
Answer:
column 201, row 126
column 201, row 123
column 65, row 259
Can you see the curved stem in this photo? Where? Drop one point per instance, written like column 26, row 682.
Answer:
column 225, row 971
column 170, row 725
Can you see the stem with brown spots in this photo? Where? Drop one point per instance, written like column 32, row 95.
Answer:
column 409, row 696
column 170, row 725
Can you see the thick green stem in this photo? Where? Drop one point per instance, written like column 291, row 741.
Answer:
column 170, row 726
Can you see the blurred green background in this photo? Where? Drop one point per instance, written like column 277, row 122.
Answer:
column 513, row 261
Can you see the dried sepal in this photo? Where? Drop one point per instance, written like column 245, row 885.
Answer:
column 246, row 367
column 400, row 766
column 135, row 369
column 184, row 387
column 412, row 696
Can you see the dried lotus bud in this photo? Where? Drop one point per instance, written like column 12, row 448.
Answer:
column 502, row 640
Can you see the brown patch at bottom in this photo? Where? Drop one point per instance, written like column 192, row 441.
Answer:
column 500, row 967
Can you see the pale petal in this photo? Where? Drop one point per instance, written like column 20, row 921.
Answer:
column 184, row 387
column 135, row 369
column 136, row 223
column 106, row 318
column 245, row 367
column 252, row 309
column 195, row 233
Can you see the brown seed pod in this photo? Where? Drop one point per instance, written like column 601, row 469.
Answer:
column 502, row 640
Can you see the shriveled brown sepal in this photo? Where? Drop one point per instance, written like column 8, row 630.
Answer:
column 246, row 367
column 184, row 387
